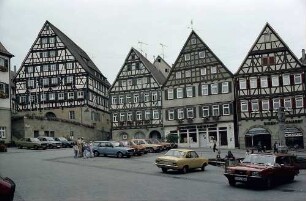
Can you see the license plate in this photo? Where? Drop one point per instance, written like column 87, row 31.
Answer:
column 240, row 178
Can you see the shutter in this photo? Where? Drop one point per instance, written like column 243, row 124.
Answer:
column 65, row 95
column 175, row 93
column 41, row 55
column 200, row 111
column 291, row 80
column 258, row 83
column 200, row 90
column 56, row 53
column 269, row 82
column 271, row 104
column 209, row 89
column 237, row 84
column 7, row 92
column 231, row 108
column 293, row 103
column 280, row 80
column 184, row 92
column 185, row 113
column 175, row 113
column 220, row 110
column 229, row 87
column 260, row 105
column 247, row 83
column 193, row 91
column 167, row 115
column 141, row 97
column 219, row 88
column 210, row 110
column 249, row 106
column 195, row 112
column 166, row 94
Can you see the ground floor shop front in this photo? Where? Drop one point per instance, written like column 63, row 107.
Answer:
column 138, row 133
column 204, row 135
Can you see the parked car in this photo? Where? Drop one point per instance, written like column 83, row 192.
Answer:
column 3, row 147
column 139, row 149
column 165, row 145
column 111, row 148
column 31, row 143
column 7, row 189
column 263, row 169
column 51, row 143
column 65, row 143
column 149, row 146
column 182, row 160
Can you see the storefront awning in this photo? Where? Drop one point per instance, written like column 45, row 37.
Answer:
column 257, row 131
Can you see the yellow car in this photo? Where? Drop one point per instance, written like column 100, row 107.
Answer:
column 182, row 160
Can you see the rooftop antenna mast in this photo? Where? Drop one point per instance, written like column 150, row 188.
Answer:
column 191, row 25
column 140, row 44
column 163, row 47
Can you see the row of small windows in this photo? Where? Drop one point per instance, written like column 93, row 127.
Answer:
column 46, row 40
column 145, row 97
column 204, row 111
column 51, row 96
column 95, row 116
column 203, row 71
column 276, row 80
column 50, row 81
column 275, row 104
column 135, row 81
column 200, row 54
column 137, row 115
column 134, row 66
column 204, row 90
column 4, row 62
column 50, row 67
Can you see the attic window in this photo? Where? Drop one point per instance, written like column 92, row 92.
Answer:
column 159, row 60
column 129, row 67
column 193, row 41
column 267, row 37
column 166, row 70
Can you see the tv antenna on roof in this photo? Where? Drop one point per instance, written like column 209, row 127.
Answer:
column 163, row 47
column 140, row 45
column 191, row 25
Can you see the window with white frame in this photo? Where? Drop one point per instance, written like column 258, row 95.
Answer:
column 43, row 97
column 213, row 70
column 128, row 99
column 179, row 92
column 30, row 69
column 264, row 82
column 244, row 106
column 187, row 57
column 138, row 115
column 189, row 92
column 188, row 73
column 53, row 67
column 146, row 97
column 69, row 66
column 52, row 53
column 123, row 83
column 54, row 80
column 144, row 80
column 71, row 115
column 52, row 96
column 226, row 109
column 171, row 115
column 276, row 103
column 286, row 79
column 225, row 87
column 45, row 54
column 299, row 102
column 253, row 82
column 69, row 80
column 242, row 83
column 297, row 79
column 178, row 75
column 31, row 83
column 122, row 116
column 46, row 81
column 203, row 71
column 61, row 96
column 180, row 113
column 130, row 82
column 214, row 88
column 147, row 115
column 45, row 68
column 129, row 116
column 44, row 40
column 205, row 110
column 80, row 94
column 190, row 113
column 51, row 40
column 154, row 96
column 120, row 99
column 32, row 98
column 139, row 81
column 37, row 68
column 287, row 103
column 23, row 99
column 215, row 110
column 275, row 80
column 170, row 94
column 265, row 105
column 254, row 104
column 115, row 117
column 114, row 100
column 204, row 89
column 155, row 114
column 202, row 54
column 2, row 132
column 136, row 98
column 70, row 95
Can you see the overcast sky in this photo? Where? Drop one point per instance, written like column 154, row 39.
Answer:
column 107, row 29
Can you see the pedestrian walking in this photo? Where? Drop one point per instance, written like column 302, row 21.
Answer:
column 86, row 151
column 91, row 149
column 275, row 147
column 76, row 150
column 79, row 144
column 215, row 146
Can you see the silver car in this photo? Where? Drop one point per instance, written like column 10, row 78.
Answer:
column 111, row 148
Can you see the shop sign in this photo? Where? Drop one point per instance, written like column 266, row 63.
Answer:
column 293, row 134
column 294, row 121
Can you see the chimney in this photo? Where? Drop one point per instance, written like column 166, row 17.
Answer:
column 303, row 56
column 15, row 68
column 154, row 57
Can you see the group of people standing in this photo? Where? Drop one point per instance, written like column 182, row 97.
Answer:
column 83, row 149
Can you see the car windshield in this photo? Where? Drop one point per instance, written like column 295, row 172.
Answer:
column 49, row 138
column 62, row 139
column 175, row 153
column 34, row 140
column 259, row 159
column 116, row 144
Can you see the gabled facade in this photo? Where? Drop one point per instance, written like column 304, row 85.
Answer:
column 271, row 78
column 198, row 98
column 5, row 97
column 136, row 103
column 57, row 80
column 162, row 66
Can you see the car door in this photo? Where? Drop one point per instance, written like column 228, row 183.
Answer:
column 197, row 162
column 101, row 148
column 111, row 150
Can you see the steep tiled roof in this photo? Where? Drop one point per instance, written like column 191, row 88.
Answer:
column 4, row 51
column 78, row 53
column 160, row 78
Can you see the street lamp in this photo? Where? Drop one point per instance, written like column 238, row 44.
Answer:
column 281, row 133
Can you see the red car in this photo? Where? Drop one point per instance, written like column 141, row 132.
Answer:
column 7, row 189
column 263, row 169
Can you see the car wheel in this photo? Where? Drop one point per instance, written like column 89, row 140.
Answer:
column 203, row 167
column 96, row 154
column 268, row 183
column 151, row 150
column 231, row 182
column 35, row 147
column 164, row 170
column 185, row 169
column 19, row 147
column 119, row 155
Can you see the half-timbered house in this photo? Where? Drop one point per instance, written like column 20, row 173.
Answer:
column 59, row 82
column 271, row 79
column 198, row 98
column 5, row 97
column 136, row 103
